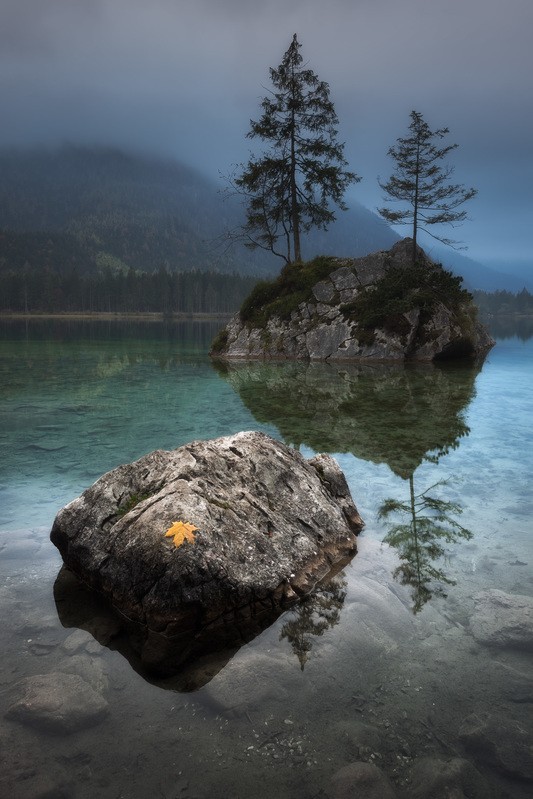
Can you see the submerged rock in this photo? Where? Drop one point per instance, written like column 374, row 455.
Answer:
column 58, row 703
column 378, row 307
column 361, row 779
column 503, row 620
column 501, row 743
column 260, row 526
column 450, row 778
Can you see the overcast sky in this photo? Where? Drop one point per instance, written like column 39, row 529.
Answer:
column 184, row 77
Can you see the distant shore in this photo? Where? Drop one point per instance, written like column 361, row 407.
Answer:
column 119, row 317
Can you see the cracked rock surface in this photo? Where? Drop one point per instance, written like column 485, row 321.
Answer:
column 320, row 329
column 269, row 525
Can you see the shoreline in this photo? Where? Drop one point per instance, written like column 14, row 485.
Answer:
column 104, row 316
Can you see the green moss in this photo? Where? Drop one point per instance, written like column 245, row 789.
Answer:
column 401, row 290
column 130, row 503
column 219, row 503
column 282, row 296
column 366, row 336
column 219, row 342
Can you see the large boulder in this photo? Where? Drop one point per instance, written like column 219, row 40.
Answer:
column 252, row 526
column 378, row 307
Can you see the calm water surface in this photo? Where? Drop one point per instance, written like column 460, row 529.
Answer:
column 380, row 666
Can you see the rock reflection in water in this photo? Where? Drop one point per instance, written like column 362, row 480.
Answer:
column 79, row 606
column 394, row 414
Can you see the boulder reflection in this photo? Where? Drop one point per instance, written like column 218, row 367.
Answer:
column 394, row 414
column 79, row 606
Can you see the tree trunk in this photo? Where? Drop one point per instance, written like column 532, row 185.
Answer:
column 295, row 216
column 415, row 205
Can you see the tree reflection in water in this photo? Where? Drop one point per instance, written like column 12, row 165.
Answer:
column 422, row 526
column 316, row 613
column 383, row 413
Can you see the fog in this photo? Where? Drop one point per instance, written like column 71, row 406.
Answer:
column 182, row 78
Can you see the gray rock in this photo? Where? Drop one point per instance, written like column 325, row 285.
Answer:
column 324, row 291
column 360, row 780
column 58, row 703
column 454, row 778
column 269, row 525
column 327, row 331
column 35, row 785
column 503, row 620
column 91, row 670
column 502, row 743
column 515, row 684
column 345, row 279
column 76, row 641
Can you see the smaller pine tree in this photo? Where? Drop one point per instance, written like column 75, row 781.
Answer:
column 421, row 181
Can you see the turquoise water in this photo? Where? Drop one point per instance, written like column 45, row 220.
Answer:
column 381, row 666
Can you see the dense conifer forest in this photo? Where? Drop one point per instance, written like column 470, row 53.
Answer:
column 504, row 302
column 31, row 291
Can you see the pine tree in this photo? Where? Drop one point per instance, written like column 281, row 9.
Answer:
column 421, row 181
column 289, row 187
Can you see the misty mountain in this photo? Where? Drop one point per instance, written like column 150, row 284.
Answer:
column 88, row 209
column 479, row 276
column 93, row 208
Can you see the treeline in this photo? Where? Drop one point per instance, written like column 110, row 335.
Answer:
column 46, row 291
column 29, row 290
column 504, row 302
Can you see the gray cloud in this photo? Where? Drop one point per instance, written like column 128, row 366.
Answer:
column 183, row 78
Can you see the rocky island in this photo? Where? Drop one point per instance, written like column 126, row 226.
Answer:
column 200, row 546
column 378, row 307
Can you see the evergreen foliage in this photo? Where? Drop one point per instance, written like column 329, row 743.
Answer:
column 280, row 297
column 91, row 207
column 422, row 182
column 47, row 291
column 504, row 302
column 288, row 189
column 402, row 289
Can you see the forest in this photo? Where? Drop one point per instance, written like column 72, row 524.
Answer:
column 85, row 231
column 504, row 302
column 47, row 291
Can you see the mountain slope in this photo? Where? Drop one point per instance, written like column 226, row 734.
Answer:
column 479, row 276
column 92, row 208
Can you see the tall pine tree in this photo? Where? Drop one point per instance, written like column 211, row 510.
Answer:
column 422, row 182
column 289, row 187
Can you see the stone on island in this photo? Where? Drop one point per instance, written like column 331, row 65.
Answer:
column 378, row 307
column 265, row 525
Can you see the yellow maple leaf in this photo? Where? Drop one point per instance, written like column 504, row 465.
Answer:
column 180, row 532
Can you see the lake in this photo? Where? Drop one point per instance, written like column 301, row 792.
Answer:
column 393, row 662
